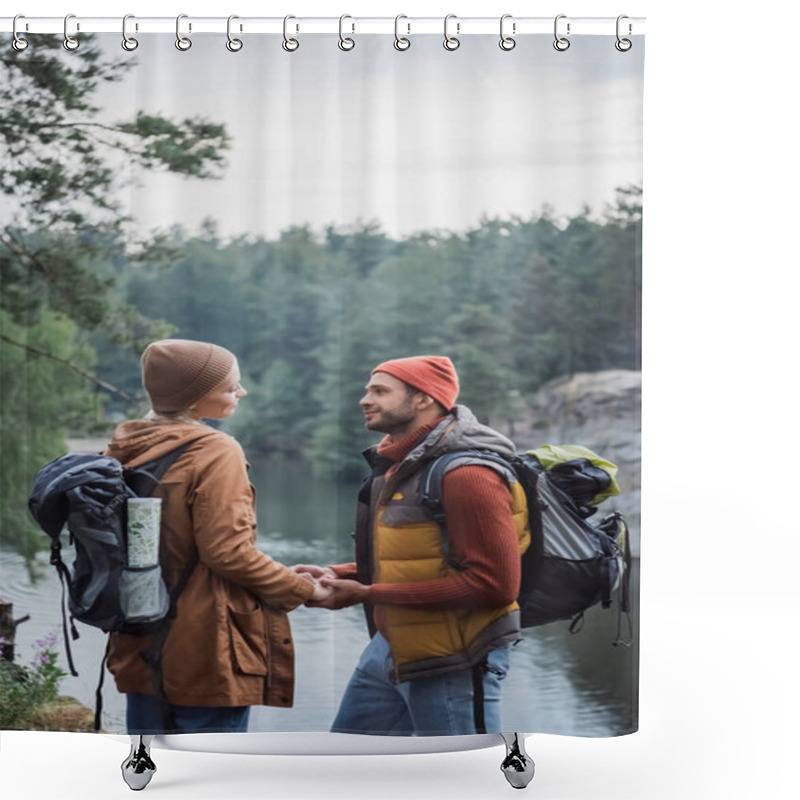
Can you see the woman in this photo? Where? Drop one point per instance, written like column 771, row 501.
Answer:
column 230, row 644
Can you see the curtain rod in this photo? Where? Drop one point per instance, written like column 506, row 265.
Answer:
column 347, row 25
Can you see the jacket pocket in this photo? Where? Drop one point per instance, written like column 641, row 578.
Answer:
column 248, row 641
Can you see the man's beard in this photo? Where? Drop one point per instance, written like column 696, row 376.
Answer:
column 390, row 422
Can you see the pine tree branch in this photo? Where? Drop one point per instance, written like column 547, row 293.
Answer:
column 19, row 248
column 88, row 376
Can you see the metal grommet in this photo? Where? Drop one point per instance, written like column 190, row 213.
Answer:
column 561, row 43
column 70, row 42
column 623, row 45
column 345, row 42
column 507, row 42
column 183, row 43
column 401, row 42
column 234, row 45
column 289, row 45
column 19, row 43
column 451, row 43
column 128, row 42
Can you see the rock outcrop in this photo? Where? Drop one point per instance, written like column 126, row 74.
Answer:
column 600, row 410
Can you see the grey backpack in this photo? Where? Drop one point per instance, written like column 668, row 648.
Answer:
column 88, row 495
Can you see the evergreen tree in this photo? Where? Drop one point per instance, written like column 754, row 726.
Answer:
column 39, row 400
column 63, row 243
column 62, row 224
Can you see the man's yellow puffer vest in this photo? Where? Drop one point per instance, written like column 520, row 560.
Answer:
column 407, row 546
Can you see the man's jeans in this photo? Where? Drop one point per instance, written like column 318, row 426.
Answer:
column 149, row 714
column 438, row 706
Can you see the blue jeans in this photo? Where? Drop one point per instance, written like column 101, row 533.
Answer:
column 150, row 714
column 437, row 706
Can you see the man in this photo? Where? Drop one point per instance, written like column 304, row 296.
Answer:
column 441, row 616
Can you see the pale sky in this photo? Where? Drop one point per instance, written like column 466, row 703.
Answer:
column 423, row 139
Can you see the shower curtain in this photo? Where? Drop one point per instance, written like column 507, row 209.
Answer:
column 320, row 204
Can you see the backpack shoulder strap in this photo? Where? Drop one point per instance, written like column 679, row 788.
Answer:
column 430, row 487
column 430, row 481
column 144, row 478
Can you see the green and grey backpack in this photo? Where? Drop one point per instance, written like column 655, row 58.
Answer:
column 573, row 562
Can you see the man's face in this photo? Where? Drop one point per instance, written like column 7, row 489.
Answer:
column 389, row 406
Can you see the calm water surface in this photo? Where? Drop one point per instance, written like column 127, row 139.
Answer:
column 559, row 683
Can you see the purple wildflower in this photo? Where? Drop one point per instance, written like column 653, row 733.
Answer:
column 47, row 642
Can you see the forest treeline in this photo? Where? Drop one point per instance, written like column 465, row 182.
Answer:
column 514, row 303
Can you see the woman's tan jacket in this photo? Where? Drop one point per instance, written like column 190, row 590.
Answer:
column 230, row 644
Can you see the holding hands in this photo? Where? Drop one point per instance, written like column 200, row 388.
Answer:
column 313, row 571
column 321, row 593
column 330, row 591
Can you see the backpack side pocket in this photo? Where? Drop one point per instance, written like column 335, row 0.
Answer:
column 143, row 597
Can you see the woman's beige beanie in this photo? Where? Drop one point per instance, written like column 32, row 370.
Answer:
column 176, row 373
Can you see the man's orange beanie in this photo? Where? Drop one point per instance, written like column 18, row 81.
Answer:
column 434, row 375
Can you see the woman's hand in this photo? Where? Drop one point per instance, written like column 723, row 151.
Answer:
column 314, row 571
column 321, row 595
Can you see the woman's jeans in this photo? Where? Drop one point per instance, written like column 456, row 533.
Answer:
column 441, row 705
column 149, row 714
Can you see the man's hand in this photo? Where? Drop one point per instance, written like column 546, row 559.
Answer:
column 343, row 593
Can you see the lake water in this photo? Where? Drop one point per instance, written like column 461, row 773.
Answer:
column 558, row 683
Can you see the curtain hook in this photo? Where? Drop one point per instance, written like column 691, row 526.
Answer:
column 401, row 42
column 289, row 45
column 507, row 42
column 561, row 43
column 70, row 42
column 128, row 42
column 183, row 43
column 451, row 42
column 346, row 43
column 234, row 45
column 19, row 43
column 623, row 45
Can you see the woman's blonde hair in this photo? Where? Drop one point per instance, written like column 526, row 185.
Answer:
column 171, row 416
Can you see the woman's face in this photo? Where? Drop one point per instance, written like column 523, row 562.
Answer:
column 222, row 401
